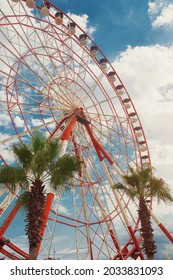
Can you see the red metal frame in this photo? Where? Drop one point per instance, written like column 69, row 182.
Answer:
column 101, row 154
column 12, row 94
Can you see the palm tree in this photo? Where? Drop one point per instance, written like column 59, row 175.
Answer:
column 142, row 185
column 37, row 163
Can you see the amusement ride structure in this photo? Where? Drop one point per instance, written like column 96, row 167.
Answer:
column 55, row 79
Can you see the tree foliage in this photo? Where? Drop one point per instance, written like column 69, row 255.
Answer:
column 142, row 185
column 37, row 163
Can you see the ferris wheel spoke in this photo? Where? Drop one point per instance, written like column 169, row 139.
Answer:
column 24, row 81
column 96, row 200
column 8, row 200
column 35, row 74
column 95, row 168
column 82, row 71
column 9, row 139
column 48, row 51
column 64, row 53
column 116, row 140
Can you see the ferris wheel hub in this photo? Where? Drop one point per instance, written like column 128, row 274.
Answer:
column 73, row 109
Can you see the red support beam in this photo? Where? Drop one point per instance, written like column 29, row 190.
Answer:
column 99, row 149
column 56, row 129
column 9, row 255
column 136, row 243
column 13, row 247
column 9, row 219
column 102, row 154
column 47, row 207
column 168, row 235
column 66, row 134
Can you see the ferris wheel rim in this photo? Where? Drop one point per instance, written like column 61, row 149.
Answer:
column 132, row 128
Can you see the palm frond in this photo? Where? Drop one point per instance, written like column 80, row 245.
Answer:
column 147, row 185
column 59, row 179
column 23, row 200
column 63, row 170
column 139, row 180
column 12, row 176
column 54, row 149
column 23, row 154
column 119, row 186
column 68, row 164
column 130, row 191
column 131, row 180
column 145, row 175
column 51, row 149
column 38, row 141
column 45, row 151
column 160, row 190
column 39, row 164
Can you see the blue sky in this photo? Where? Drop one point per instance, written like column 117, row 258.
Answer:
column 137, row 38
column 119, row 23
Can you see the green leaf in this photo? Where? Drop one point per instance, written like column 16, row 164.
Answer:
column 12, row 175
column 38, row 141
column 63, row 170
column 23, row 154
column 24, row 199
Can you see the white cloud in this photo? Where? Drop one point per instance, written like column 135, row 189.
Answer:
column 147, row 73
column 19, row 122
column 5, row 149
column 36, row 122
column 4, row 120
column 155, row 7
column 161, row 13
column 165, row 18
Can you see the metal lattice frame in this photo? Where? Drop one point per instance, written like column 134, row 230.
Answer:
column 55, row 82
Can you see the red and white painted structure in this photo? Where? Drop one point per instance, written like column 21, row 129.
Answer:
column 56, row 79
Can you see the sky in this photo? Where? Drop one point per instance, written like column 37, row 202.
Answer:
column 137, row 38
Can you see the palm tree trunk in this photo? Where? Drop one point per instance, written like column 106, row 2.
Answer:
column 34, row 217
column 32, row 252
column 146, row 230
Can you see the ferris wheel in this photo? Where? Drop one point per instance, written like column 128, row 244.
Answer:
column 55, row 79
